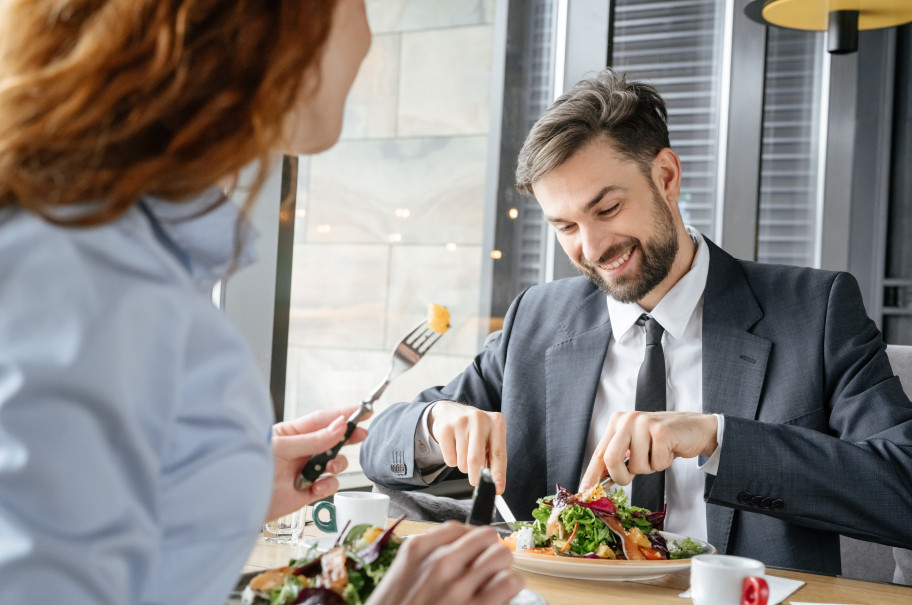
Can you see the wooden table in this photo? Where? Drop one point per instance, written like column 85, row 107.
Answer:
column 665, row 590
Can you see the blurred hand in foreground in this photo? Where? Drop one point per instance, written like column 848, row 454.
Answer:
column 454, row 564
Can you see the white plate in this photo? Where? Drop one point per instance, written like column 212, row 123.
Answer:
column 603, row 569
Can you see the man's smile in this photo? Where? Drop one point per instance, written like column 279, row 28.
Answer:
column 618, row 264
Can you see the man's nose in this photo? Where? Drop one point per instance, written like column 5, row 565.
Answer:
column 591, row 244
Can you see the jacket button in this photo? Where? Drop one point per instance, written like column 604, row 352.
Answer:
column 745, row 497
column 766, row 503
column 756, row 500
column 777, row 504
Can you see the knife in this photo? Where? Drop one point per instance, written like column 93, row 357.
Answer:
column 504, row 510
column 483, row 500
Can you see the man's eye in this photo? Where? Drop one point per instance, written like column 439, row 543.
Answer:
column 563, row 228
column 608, row 211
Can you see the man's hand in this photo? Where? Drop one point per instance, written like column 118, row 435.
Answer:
column 293, row 443
column 652, row 440
column 471, row 439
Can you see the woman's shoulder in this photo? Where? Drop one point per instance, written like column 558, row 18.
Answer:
column 56, row 272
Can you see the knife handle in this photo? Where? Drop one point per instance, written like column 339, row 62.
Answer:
column 482, row 512
column 316, row 466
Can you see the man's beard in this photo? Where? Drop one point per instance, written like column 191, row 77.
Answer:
column 656, row 259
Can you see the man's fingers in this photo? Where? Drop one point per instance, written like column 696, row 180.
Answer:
column 460, row 439
column 476, row 453
column 594, row 472
column 497, row 452
column 447, row 441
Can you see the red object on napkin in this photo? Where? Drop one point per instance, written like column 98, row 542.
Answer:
column 754, row 591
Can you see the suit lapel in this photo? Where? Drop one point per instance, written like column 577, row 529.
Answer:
column 573, row 369
column 734, row 360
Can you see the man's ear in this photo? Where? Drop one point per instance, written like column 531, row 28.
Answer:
column 666, row 174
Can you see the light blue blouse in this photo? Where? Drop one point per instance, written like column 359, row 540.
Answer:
column 135, row 464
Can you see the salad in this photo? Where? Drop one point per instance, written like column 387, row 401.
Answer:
column 344, row 575
column 596, row 524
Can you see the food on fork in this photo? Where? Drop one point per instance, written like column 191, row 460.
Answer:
column 597, row 524
column 344, row 575
column 438, row 318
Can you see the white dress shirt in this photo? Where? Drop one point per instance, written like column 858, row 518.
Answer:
column 680, row 312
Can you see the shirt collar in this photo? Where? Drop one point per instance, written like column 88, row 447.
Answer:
column 676, row 308
column 202, row 233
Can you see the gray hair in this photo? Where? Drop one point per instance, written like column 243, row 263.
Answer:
column 630, row 115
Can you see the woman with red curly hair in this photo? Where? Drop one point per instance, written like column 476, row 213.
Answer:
column 137, row 456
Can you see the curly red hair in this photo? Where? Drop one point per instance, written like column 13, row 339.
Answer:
column 106, row 100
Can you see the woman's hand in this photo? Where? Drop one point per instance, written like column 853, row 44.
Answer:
column 293, row 443
column 454, row 564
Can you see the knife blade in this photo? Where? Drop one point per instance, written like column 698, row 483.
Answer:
column 482, row 512
column 501, row 505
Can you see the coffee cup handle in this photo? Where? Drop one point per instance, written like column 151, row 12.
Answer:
column 325, row 526
column 754, row 591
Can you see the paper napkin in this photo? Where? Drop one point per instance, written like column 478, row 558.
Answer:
column 780, row 589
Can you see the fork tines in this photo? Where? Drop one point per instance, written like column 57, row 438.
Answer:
column 422, row 338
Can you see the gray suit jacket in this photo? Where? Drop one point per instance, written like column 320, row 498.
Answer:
column 818, row 431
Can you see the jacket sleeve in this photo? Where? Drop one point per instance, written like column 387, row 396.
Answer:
column 853, row 475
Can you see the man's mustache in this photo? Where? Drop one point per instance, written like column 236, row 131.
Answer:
column 612, row 252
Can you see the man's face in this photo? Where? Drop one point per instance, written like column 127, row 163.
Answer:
column 612, row 221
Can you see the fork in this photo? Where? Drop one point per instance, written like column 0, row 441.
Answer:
column 406, row 354
column 607, row 481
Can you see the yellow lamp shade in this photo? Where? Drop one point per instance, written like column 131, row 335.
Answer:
column 840, row 18
column 814, row 14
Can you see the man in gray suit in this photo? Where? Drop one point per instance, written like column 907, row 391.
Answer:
column 776, row 422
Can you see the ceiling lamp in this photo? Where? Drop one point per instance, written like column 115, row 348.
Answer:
column 841, row 19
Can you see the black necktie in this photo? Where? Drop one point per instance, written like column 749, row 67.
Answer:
column 649, row 490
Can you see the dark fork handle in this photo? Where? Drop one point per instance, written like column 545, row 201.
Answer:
column 316, row 466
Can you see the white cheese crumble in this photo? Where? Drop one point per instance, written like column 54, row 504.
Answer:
column 524, row 539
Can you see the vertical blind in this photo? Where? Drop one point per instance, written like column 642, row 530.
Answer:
column 789, row 160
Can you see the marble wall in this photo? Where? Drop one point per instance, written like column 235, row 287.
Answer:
column 390, row 219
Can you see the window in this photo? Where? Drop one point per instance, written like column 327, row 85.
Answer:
column 790, row 154
column 390, row 219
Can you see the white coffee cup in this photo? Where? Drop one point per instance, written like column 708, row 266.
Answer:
column 720, row 580
column 352, row 508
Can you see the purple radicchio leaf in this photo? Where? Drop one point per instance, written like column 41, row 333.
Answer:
column 602, row 506
column 314, row 568
column 369, row 553
column 658, row 543
column 657, row 519
column 318, row 596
